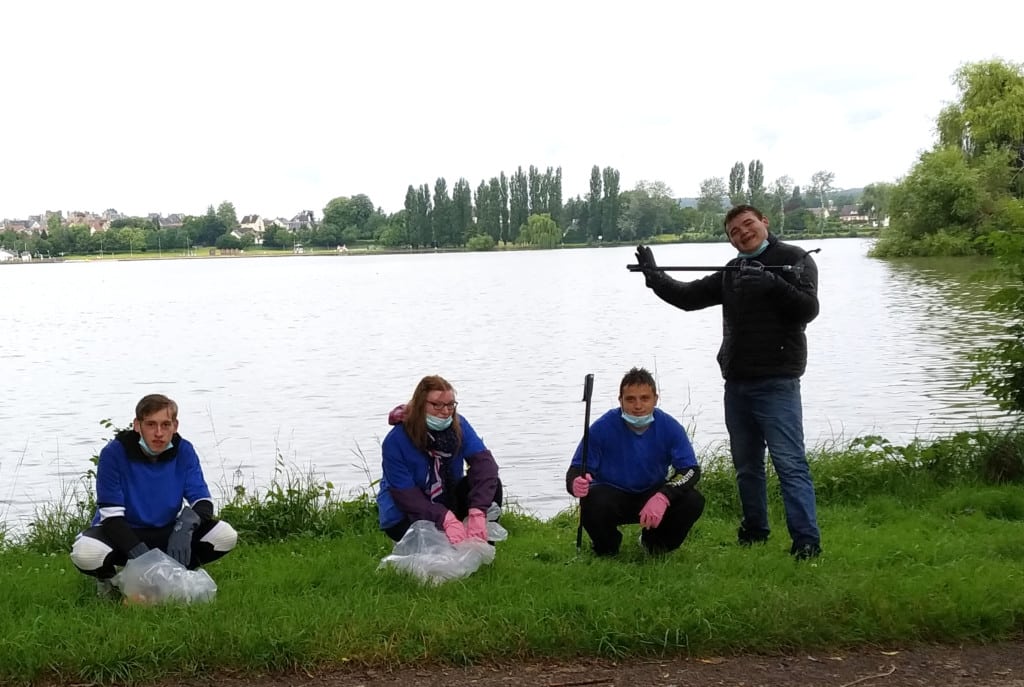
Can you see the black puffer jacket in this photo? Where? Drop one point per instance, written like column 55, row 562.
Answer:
column 762, row 336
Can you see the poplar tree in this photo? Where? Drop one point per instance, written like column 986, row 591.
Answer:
column 424, row 212
column 554, row 187
column 611, row 204
column 519, row 200
column 503, row 206
column 536, row 198
column 441, row 219
column 462, row 211
column 756, row 193
column 594, row 204
column 737, row 195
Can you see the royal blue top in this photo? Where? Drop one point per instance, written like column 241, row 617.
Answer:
column 636, row 462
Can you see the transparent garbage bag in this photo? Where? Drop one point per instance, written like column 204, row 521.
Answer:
column 425, row 552
column 154, row 578
column 495, row 532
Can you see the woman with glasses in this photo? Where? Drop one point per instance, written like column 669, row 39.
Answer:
column 425, row 459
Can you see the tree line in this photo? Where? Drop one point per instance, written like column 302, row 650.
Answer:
column 526, row 207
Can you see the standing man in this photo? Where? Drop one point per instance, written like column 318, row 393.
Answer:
column 150, row 493
column 640, row 468
column 762, row 357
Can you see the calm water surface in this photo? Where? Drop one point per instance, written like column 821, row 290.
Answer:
column 302, row 357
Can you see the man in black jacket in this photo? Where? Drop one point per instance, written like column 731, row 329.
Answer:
column 765, row 309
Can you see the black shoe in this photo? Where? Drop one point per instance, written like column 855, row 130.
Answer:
column 745, row 537
column 803, row 552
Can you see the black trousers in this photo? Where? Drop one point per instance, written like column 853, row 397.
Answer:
column 154, row 538
column 460, row 508
column 605, row 508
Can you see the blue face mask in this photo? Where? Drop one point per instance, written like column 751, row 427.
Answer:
column 754, row 254
column 438, row 424
column 150, row 452
column 638, row 422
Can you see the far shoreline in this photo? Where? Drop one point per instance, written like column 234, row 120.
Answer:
column 363, row 251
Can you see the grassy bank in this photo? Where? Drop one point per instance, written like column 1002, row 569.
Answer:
column 923, row 543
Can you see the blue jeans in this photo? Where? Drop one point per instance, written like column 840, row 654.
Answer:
column 768, row 412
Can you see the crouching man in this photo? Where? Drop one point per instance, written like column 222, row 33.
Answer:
column 150, row 493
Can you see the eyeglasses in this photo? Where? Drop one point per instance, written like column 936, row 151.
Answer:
column 438, row 407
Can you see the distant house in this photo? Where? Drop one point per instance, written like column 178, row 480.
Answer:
column 5, row 256
column 303, row 220
column 241, row 233
column 172, row 221
column 253, row 223
column 851, row 214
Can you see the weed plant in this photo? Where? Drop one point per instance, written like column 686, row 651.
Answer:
column 923, row 543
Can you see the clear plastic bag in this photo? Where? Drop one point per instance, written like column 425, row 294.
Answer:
column 154, row 578
column 425, row 552
column 495, row 532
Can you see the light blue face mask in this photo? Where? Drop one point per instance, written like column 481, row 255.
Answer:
column 754, row 254
column 438, row 424
column 638, row 422
column 150, row 452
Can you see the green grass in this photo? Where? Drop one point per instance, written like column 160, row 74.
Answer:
column 923, row 543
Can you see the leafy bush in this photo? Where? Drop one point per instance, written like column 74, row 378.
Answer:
column 480, row 242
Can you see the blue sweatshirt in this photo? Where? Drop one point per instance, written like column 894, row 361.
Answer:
column 147, row 491
column 634, row 462
column 407, row 472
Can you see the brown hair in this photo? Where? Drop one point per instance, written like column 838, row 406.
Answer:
column 415, row 421
column 154, row 403
column 739, row 210
column 636, row 377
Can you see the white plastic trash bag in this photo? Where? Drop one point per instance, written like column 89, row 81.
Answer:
column 426, row 552
column 154, row 578
column 495, row 532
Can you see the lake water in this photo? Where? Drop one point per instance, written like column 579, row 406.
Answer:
column 298, row 359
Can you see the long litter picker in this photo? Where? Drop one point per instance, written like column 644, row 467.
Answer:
column 742, row 266
column 588, row 392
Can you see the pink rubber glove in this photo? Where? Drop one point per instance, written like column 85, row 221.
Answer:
column 477, row 527
column 653, row 511
column 581, row 486
column 396, row 415
column 453, row 528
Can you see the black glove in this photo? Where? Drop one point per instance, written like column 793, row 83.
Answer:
column 645, row 260
column 138, row 550
column 179, row 544
column 755, row 279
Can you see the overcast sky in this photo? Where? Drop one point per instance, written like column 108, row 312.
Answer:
column 280, row 106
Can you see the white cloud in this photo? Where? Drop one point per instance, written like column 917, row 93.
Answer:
column 279, row 107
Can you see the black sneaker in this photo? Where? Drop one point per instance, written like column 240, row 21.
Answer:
column 745, row 537
column 803, row 552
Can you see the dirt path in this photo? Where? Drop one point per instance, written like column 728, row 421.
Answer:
column 996, row 665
